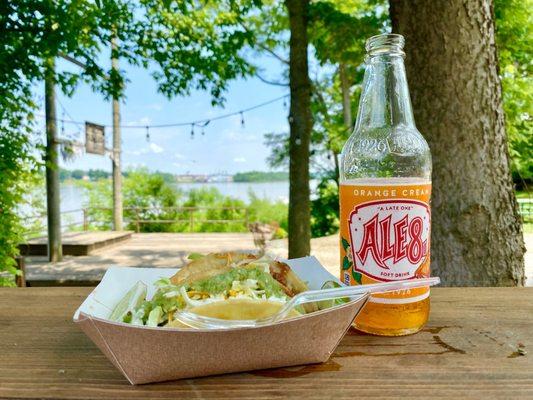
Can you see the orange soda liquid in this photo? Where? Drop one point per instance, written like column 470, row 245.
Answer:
column 385, row 236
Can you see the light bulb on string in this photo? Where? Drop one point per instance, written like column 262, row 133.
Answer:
column 192, row 131
column 284, row 103
column 147, row 133
column 204, row 125
column 242, row 119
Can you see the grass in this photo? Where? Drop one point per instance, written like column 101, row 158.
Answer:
column 522, row 194
column 527, row 225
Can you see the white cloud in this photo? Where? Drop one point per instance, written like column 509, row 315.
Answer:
column 239, row 159
column 156, row 106
column 135, row 165
column 142, row 121
column 152, row 148
column 155, row 148
column 239, row 136
column 179, row 156
column 133, row 152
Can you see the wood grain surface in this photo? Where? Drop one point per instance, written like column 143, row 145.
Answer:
column 473, row 347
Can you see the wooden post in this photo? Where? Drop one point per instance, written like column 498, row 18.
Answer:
column 137, row 223
column 21, row 266
column 55, row 252
column 117, row 174
column 85, row 220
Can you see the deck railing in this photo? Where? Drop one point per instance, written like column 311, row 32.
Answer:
column 139, row 216
column 525, row 207
column 136, row 217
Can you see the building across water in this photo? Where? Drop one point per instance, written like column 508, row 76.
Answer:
column 204, row 178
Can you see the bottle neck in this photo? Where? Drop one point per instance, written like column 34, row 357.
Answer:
column 385, row 100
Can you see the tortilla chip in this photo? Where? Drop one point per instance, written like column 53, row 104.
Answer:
column 291, row 283
column 208, row 266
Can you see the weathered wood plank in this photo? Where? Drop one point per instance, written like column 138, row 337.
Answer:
column 468, row 350
column 160, row 250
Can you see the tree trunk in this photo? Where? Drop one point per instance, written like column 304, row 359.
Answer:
column 452, row 70
column 346, row 110
column 300, row 131
column 345, row 89
column 117, row 144
column 53, row 211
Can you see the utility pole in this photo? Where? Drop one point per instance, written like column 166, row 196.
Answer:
column 55, row 251
column 117, row 173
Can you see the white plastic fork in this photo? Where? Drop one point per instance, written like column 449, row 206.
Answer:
column 197, row 321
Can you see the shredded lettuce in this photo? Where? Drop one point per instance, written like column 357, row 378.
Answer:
column 250, row 281
column 155, row 317
column 195, row 256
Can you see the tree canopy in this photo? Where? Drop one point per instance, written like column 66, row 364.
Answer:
column 514, row 39
column 188, row 45
column 338, row 30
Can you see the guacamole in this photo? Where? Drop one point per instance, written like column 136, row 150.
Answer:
column 223, row 282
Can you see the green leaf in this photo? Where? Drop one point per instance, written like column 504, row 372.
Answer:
column 346, row 264
column 357, row 276
column 345, row 243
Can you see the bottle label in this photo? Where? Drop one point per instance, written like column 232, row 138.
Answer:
column 385, row 236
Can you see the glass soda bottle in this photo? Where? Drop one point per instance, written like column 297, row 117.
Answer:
column 385, row 188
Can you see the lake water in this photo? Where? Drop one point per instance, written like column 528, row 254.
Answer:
column 73, row 197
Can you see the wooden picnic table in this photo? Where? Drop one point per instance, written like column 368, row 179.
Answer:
column 478, row 344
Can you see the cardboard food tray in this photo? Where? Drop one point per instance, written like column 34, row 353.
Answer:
column 146, row 354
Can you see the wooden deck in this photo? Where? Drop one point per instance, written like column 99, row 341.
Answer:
column 170, row 250
column 76, row 243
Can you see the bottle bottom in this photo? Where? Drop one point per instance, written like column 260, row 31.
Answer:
column 392, row 319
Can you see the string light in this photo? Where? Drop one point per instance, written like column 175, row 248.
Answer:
column 203, row 126
column 198, row 123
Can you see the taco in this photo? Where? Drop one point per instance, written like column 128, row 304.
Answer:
column 222, row 285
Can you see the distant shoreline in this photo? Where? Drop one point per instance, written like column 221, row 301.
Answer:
column 72, row 176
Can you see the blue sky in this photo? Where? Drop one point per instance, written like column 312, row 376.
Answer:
column 226, row 146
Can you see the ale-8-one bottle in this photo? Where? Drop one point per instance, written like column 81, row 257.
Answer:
column 385, row 176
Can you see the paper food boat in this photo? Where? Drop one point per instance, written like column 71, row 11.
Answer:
column 146, row 354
